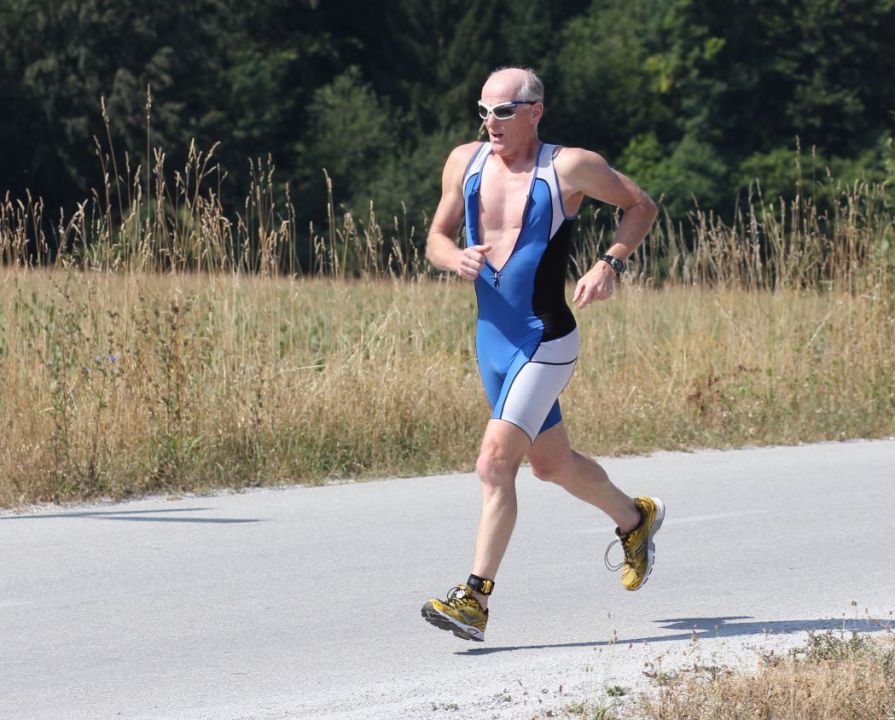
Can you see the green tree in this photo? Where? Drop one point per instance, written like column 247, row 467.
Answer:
column 280, row 53
column 411, row 178
column 350, row 131
column 64, row 55
column 751, row 75
column 775, row 173
column 691, row 97
column 429, row 59
column 676, row 176
column 598, row 89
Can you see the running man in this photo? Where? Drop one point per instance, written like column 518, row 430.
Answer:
column 519, row 198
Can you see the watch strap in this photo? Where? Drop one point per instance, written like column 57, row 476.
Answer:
column 617, row 265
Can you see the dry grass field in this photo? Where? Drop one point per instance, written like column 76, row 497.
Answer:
column 126, row 383
column 150, row 342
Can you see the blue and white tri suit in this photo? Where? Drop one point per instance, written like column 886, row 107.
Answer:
column 526, row 336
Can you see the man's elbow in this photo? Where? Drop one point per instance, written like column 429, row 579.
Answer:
column 643, row 206
column 647, row 208
column 430, row 248
column 435, row 250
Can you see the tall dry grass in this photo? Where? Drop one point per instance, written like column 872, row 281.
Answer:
column 152, row 341
column 120, row 384
column 161, row 220
column 153, row 218
column 128, row 383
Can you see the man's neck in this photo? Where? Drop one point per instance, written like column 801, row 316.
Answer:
column 524, row 158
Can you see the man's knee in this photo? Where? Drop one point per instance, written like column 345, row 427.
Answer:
column 551, row 469
column 495, row 466
column 548, row 470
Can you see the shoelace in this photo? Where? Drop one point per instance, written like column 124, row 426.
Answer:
column 628, row 559
column 459, row 594
column 629, row 556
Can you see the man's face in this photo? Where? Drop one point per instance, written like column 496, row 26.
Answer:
column 511, row 136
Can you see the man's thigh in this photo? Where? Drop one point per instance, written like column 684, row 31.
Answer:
column 551, row 449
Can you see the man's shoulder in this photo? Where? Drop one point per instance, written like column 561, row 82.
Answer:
column 575, row 156
column 463, row 153
column 458, row 161
column 576, row 166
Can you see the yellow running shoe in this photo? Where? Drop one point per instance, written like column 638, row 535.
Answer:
column 638, row 544
column 460, row 613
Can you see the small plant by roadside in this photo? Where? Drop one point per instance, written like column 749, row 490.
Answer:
column 834, row 676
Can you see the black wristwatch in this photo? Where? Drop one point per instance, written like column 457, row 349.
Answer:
column 615, row 264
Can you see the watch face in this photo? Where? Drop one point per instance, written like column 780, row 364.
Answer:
column 615, row 264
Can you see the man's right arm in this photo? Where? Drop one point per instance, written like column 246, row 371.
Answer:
column 441, row 245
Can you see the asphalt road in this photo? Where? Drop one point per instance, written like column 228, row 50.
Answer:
column 304, row 602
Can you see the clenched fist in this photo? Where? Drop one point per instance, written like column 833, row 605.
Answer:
column 472, row 260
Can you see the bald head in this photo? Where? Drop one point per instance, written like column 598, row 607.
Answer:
column 514, row 83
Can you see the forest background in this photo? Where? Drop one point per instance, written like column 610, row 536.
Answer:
column 696, row 100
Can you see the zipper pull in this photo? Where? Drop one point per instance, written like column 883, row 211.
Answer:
column 497, row 278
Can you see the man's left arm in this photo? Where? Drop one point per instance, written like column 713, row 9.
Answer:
column 588, row 173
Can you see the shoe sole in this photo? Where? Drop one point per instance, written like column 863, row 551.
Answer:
column 445, row 622
column 650, row 545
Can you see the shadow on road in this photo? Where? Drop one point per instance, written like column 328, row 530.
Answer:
column 158, row 516
column 713, row 627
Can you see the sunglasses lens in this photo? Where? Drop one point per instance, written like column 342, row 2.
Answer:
column 483, row 112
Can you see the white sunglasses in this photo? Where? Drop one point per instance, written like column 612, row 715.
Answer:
column 502, row 111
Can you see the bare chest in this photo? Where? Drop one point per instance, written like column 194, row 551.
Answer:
column 502, row 204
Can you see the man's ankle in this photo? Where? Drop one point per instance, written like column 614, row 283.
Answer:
column 481, row 599
column 481, row 588
column 640, row 518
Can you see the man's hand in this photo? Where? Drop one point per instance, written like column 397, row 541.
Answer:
column 598, row 283
column 472, row 260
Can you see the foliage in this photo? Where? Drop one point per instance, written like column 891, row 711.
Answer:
column 694, row 99
column 690, row 170
column 600, row 78
column 62, row 57
column 349, row 133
